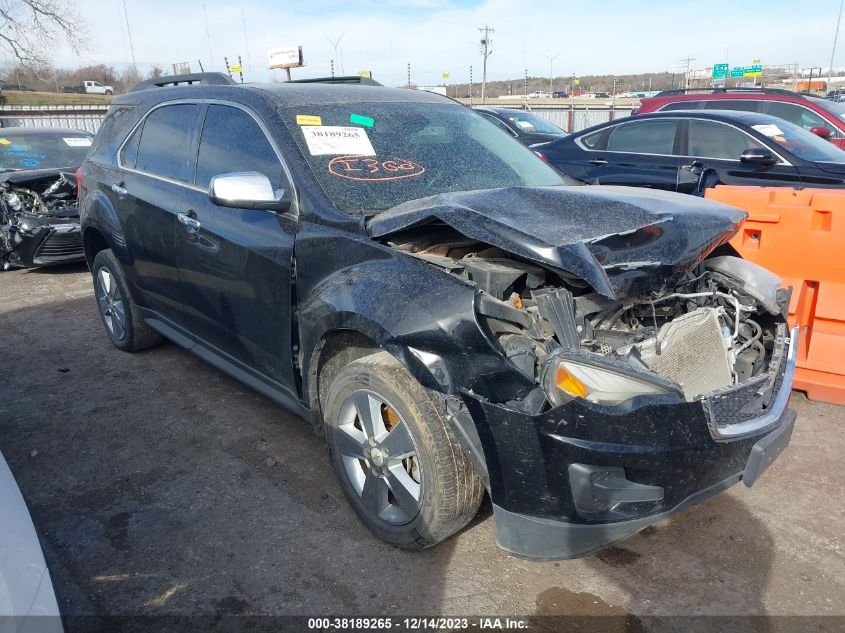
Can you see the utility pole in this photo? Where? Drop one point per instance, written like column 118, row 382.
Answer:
column 409, row 75
column 332, row 62
column 686, row 76
column 525, row 84
column 129, row 31
column 470, row 85
column 486, row 52
column 551, row 59
column 833, row 52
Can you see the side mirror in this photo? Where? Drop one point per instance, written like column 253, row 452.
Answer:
column 758, row 156
column 821, row 131
column 246, row 190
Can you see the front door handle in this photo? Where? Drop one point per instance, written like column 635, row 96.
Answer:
column 120, row 190
column 192, row 225
column 694, row 167
column 598, row 161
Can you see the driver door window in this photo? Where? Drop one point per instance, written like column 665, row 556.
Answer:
column 231, row 142
column 709, row 139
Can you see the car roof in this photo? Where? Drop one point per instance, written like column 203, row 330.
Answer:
column 289, row 94
column 748, row 118
column 21, row 129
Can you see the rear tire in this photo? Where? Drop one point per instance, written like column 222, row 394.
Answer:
column 397, row 462
column 119, row 313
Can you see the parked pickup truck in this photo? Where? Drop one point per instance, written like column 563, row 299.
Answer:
column 90, row 87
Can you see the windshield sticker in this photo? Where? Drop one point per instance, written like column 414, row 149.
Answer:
column 331, row 139
column 769, row 129
column 372, row 169
column 360, row 119
column 77, row 141
column 5, row 141
column 30, row 162
column 308, row 119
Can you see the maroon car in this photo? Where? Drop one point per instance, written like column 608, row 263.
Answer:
column 820, row 116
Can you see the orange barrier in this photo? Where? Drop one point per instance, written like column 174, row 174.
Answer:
column 800, row 235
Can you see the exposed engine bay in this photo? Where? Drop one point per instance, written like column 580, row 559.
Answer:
column 715, row 329
column 39, row 219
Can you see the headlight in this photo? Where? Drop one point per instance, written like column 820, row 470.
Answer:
column 565, row 379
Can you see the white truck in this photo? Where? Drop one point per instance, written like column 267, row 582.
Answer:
column 90, row 87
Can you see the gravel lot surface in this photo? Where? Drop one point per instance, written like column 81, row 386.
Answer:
column 160, row 486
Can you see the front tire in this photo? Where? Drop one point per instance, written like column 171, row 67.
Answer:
column 397, row 462
column 119, row 313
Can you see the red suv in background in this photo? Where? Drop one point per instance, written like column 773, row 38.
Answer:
column 820, row 116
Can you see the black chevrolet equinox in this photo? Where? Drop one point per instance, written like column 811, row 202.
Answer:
column 452, row 314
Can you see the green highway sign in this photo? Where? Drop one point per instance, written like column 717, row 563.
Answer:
column 738, row 71
column 720, row 71
column 754, row 71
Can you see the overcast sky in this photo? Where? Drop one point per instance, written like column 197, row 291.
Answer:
column 436, row 36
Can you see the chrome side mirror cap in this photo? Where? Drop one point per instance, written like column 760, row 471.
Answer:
column 247, row 190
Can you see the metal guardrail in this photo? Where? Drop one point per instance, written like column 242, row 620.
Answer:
column 570, row 118
column 81, row 117
column 573, row 117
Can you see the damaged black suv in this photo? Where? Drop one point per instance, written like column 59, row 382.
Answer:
column 443, row 307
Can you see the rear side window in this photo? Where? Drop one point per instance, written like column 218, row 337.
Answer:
column 709, row 139
column 497, row 122
column 683, row 105
column 232, row 141
column 644, row 137
column 741, row 105
column 165, row 140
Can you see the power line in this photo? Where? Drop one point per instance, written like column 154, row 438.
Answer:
column 833, row 52
column 128, row 30
column 486, row 52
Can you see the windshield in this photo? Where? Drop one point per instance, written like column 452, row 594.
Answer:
column 834, row 107
column 532, row 124
column 40, row 150
column 801, row 143
column 373, row 156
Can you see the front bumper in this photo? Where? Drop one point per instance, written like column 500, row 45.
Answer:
column 46, row 245
column 634, row 464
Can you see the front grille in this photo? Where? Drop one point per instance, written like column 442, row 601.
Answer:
column 59, row 247
column 733, row 405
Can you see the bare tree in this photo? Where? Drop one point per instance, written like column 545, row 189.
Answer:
column 29, row 29
column 155, row 71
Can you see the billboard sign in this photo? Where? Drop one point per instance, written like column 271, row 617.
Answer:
column 288, row 57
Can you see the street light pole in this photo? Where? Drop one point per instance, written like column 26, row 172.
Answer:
column 335, row 44
column 551, row 59
column 833, row 52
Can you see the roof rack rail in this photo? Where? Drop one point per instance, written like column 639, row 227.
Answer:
column 681, row 91
column 209, row 79
column 348, row 79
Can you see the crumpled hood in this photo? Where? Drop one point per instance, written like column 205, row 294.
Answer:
column 621, row 240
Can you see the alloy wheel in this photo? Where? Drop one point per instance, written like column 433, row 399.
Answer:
column 380, row 457
column 110, row 302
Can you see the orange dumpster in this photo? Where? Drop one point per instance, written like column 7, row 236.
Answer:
column 800, row 235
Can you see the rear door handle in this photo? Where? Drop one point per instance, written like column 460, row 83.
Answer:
column 192, row 225
column 119, row 190
column 598, row 161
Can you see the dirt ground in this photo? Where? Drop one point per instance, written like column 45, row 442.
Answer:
column 160, row 486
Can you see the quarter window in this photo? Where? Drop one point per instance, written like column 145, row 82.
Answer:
column 163, row 149
column 709, row 139
column 232, row 141
column 130, row 150
column 646, row 137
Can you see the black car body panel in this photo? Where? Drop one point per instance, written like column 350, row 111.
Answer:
column 685, row 171
column 504, row 117
column 263, row 295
